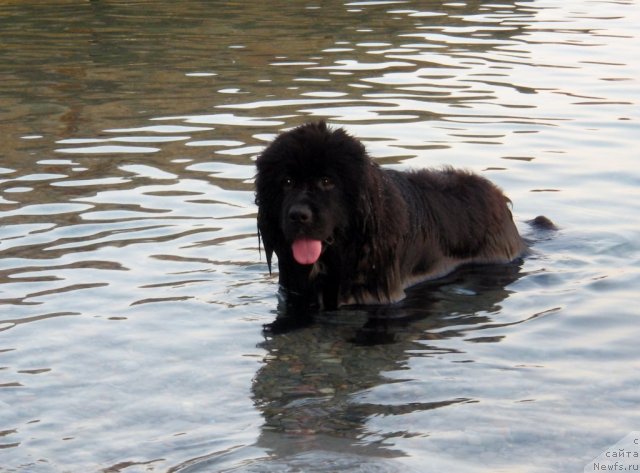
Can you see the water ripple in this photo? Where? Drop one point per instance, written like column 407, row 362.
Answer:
column 108, row 149
column 129, row 262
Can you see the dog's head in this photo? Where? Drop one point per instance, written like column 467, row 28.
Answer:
column 307, row 189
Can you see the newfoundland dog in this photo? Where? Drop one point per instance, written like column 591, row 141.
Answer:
column 348, row 232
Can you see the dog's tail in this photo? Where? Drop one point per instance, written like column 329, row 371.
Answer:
column 540, row 229
column 542, row 223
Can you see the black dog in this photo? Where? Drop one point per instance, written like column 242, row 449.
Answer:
column 347, row 231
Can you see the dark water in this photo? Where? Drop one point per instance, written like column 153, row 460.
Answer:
column 132, row 293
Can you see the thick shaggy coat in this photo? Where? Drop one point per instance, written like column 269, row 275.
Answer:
column 346, row 231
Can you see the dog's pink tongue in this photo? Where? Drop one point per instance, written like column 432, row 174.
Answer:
column 306, row 251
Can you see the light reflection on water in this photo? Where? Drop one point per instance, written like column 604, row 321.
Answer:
column 132, row 292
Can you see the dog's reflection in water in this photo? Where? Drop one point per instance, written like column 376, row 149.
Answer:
column 319, row 363
column 462, row 297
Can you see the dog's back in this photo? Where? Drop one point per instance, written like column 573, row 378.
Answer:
column 456, row 217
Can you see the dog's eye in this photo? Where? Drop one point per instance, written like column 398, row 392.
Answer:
column 288, row 182
column 325, row 183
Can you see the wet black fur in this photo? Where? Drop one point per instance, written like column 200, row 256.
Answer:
column 382, row 229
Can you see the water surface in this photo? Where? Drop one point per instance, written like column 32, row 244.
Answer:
column 133, row 293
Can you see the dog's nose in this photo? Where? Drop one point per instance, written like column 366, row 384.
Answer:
column 300, row 213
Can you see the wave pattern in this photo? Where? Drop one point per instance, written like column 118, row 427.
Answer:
column 133, row 291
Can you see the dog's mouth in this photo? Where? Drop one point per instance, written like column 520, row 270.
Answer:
column 307, row 251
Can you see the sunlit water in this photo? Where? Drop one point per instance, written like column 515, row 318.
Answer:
column 133, row 293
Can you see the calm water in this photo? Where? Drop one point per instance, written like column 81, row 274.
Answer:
column 133, row 295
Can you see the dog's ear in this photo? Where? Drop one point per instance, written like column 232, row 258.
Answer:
column 267, row 221
column 268, row 249
column 381, row 209
column 381, row 223
column 268, row 200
